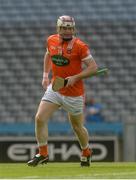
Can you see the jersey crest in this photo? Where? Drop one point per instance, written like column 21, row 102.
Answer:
column 60, row 60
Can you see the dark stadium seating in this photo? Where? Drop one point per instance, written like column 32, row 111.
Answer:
column 109, row 27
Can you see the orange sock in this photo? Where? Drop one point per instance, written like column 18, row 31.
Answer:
column 86, row 152
column 43, row 150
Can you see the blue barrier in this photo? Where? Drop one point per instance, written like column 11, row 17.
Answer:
column 58, row 128
column 115, row 128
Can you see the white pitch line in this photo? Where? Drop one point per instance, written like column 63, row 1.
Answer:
column 115, row 174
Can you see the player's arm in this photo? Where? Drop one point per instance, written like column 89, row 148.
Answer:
column 46, row 70
column 91, row 67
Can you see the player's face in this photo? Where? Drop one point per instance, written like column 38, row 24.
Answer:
column 66, row 32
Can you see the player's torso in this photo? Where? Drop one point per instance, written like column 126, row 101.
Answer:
column 66, row 62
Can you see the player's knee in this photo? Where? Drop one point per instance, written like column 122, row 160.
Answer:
column 38, row 119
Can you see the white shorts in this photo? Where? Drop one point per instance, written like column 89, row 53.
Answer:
column 73, row 105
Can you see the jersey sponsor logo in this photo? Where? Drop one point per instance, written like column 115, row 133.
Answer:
column 59, row 60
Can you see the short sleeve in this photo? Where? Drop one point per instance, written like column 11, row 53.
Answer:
column 46, row 45
column 84, row 50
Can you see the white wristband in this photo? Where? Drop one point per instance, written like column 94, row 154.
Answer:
column 45, row 75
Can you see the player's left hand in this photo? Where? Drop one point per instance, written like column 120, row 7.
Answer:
column 71, row 80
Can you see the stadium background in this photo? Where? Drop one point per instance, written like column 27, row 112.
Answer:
column 109, row 27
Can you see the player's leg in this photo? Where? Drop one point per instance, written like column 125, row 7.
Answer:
column 75, row 106
column 79, row 129
column 83, row 137
column 44, row 112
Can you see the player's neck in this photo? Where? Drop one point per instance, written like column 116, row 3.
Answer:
column 65, row 39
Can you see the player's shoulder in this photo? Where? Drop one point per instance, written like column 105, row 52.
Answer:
column 80, row 42
column 52, row 37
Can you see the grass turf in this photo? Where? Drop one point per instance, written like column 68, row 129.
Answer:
column 69, row 171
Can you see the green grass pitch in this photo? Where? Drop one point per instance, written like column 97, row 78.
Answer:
column 68, row 171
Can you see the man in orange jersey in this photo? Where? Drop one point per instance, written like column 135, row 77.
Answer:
column 64, row 57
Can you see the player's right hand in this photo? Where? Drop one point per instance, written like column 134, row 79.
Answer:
column 45, row 82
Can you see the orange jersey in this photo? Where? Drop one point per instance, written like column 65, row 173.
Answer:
column 66, row 60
